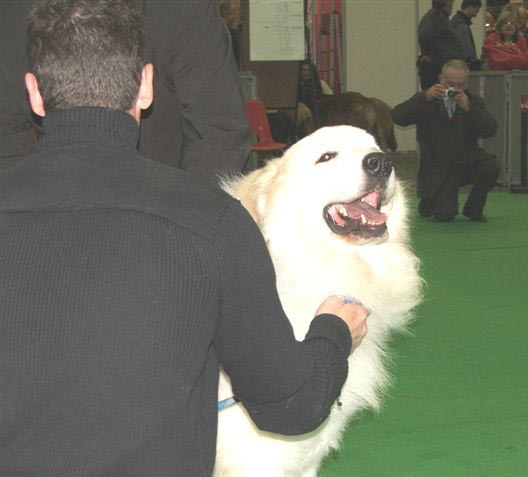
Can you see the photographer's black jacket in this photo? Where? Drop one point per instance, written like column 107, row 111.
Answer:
column 124, row 284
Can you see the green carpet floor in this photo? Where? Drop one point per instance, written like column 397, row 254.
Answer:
column 459, row 403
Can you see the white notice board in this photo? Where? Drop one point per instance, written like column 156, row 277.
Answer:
column 276, row 30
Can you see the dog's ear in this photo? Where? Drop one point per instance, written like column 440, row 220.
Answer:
column 250, row 203
column 255, row 189
column 251, row 194
column 243, row 188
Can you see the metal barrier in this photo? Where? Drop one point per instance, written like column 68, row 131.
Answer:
column 503, row 92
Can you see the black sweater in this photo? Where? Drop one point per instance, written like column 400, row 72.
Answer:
column 124, row 284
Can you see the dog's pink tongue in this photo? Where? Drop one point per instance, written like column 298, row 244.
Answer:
column 357, row 209
column 373, row 198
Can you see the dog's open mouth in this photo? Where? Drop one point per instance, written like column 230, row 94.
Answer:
column 360, row 218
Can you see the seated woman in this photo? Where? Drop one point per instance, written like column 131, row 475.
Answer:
column 506, row 48
column 310, row 91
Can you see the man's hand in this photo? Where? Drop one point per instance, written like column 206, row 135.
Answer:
column 354, row 315
column 462, row 100
column 437, row 91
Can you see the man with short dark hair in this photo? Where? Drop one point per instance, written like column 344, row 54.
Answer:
column 125, row 283
column 198, row 122
column 449, row 121
column 438, row 42
column 461, row 23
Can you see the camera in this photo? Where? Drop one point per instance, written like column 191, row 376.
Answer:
column 451, row 92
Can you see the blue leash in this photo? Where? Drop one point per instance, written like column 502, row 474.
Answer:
column 230, row 401
column 349, row 300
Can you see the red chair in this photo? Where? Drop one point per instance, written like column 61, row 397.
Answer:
column 259, row 125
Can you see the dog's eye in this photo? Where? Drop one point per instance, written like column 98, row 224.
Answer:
column 326, row 157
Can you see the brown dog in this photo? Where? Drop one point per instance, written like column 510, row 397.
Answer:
column 371, row 114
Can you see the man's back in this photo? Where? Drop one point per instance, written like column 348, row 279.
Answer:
column 100, row 266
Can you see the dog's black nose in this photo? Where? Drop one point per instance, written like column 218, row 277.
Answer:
column 378, row 164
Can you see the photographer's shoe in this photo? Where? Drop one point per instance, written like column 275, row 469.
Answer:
column 474, row 217
column 477, row 218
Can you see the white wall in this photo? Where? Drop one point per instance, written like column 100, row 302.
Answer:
column 381, row 50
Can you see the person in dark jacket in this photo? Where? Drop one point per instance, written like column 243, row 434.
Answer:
column 18, row 129
column 461, row 23
column 449, row 121
column 198, row 121
column 438, row 42
column 125, row 283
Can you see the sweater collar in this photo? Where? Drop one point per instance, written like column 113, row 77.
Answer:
column 108, row 127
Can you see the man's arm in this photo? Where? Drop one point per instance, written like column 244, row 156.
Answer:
column 216, row 135
column 408, row 112
column 523, row 46
column 483, row 123
column 287, row 386
column 197, row 91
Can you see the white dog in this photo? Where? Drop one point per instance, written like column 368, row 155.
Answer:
column 334, row 218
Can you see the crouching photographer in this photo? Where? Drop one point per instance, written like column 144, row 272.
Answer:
column 449, row 121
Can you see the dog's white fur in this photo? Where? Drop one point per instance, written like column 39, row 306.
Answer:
column 286, row 199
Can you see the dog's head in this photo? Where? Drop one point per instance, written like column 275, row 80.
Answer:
column 335, row 183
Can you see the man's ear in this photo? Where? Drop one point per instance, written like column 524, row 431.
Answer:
column 146, row 92
column 35, row 98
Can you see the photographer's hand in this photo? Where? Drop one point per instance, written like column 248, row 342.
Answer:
column 436, row 91
column 462, row 100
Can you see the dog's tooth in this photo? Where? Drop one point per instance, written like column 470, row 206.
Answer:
column 363, row 219
column 342, row 210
